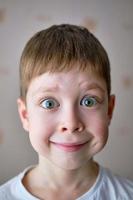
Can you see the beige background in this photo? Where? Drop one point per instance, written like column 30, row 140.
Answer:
column 112, row 23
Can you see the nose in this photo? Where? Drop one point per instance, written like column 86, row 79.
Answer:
column 71, row 122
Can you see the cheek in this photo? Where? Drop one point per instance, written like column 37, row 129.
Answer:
column 100, row 129
column 41, row 127
column 97, row 124
column 39, row 120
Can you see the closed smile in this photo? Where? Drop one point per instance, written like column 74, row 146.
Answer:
column 69, row 147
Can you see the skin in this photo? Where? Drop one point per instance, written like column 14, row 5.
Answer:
column 67, row 116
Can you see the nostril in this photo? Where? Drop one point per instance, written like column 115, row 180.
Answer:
column 71, row 128
column 64, row 129
column 78, row 129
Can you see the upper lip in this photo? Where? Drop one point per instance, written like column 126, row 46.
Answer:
column 69, row 144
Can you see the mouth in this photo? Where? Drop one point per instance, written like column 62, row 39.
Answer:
column 69, row 147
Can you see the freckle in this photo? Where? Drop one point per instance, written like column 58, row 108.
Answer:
column 90, row 23
column 2, row 15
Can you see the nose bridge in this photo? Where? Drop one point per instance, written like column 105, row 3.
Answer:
column 71, row 114
column 71, row 120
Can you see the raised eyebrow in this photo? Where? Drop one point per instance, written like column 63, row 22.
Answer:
column 45, row 90
column 94, row 86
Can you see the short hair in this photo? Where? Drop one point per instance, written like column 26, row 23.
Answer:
column 57, row 49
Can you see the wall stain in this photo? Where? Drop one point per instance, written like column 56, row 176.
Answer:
column 127, row 26
column 43, row 18
column 1, row 136
column 4, row 71
column 127, row 81
column 90, row 23
column 2, row 15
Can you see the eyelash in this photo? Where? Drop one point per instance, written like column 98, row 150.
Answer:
column 93, row 101
column 96, row 100
column 49, row 99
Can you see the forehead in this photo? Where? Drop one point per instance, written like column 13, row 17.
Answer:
column 71, row 80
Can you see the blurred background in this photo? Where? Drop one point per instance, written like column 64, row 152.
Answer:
column 112, row 23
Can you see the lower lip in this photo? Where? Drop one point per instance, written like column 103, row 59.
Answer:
column 69, row 148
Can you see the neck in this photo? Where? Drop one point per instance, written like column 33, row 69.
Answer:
column 57, row 177
column 47, row 181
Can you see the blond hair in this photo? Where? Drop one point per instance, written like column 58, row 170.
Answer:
column 57, row 49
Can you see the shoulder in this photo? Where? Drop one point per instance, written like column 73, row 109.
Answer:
column 120, row 187
column 109, row 187
column 6, row 191
column 13, row 189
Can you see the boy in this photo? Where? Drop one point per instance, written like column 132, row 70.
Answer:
column 66, row 106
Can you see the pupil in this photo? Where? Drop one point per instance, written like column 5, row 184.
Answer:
column 87, row 102
column 49, row 104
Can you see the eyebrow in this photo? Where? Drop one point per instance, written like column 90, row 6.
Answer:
column 55, row 88
column 93, row 86
column 43, row 90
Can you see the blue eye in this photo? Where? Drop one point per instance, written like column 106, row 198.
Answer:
column 49, row 104
column 88, row 101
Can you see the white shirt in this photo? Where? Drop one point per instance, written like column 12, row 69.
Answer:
column 106, row 187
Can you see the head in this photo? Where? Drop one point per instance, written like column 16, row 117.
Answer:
column 65, row 102
column 59, row 48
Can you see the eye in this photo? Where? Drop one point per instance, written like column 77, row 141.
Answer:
column 49, row 104
column 88, row 101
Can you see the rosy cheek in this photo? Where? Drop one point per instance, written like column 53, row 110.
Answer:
column 98, row 126
column 44, row 126
column 102, row 130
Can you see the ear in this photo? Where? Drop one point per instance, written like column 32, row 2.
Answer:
column 111, row 105
column 23, row 113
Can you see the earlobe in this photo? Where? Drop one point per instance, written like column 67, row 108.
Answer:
column 111, row 106
column 22, row 110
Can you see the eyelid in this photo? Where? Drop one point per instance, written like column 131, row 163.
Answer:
column 46, row 98
column 89, row 97
column 49, row 99
column 96, row 100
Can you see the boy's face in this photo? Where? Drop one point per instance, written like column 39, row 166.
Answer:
column 67, row 116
